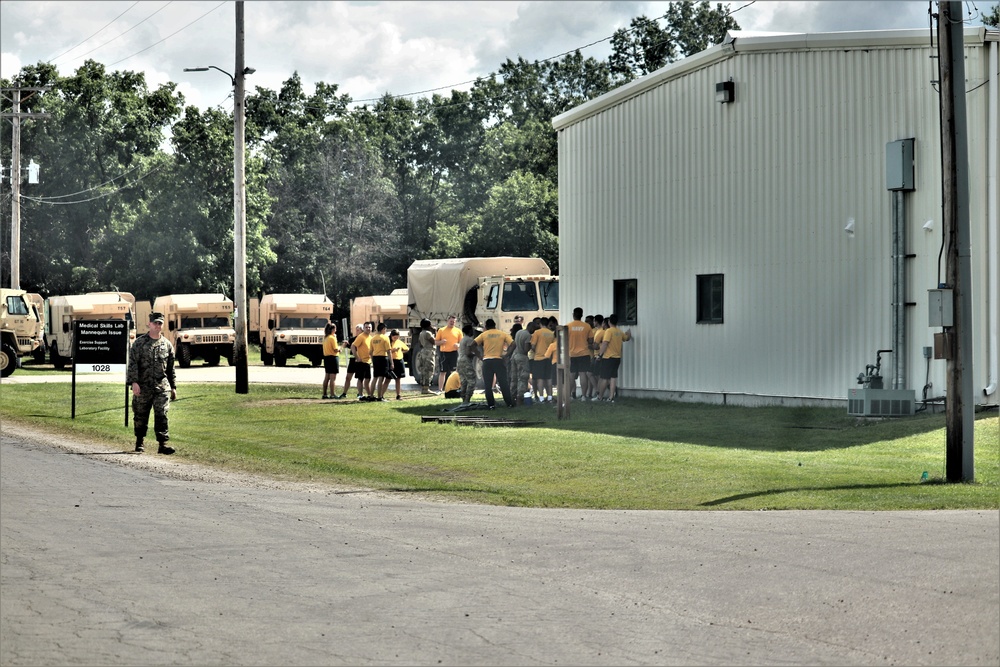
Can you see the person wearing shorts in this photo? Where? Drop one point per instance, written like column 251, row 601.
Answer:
column 610, row 356
column 581, row 337
column 362, row 363
column 331, row 360
column 398, row 349
column 352, row 366
column 446, row 340
column 381, row 356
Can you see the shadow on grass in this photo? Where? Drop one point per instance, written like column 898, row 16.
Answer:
column 774, row 492
column 792, row 429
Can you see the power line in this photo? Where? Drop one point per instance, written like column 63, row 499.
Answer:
column 95, row 34
column 169, row 36
column 123, row 33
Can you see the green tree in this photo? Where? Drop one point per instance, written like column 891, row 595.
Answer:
column 644, row 47
column 93, row 147
column 992, row 17
column 517, row 220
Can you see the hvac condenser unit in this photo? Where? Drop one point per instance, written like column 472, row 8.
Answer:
column 868, row 402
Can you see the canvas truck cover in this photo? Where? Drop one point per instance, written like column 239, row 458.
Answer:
column 437, row 287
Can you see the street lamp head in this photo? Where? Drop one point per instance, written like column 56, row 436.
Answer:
column 195, row 69
column 249, row 70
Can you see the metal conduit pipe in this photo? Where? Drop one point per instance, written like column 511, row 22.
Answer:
column 993, row 220
column 898, row 290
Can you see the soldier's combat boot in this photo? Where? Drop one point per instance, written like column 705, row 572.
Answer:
column 138, row 446
column 164, row 448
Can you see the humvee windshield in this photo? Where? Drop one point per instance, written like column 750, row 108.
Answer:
column 202, row 322
column 287, row 322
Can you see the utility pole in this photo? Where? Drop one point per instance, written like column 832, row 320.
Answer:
column 959, row 406
column 15, row 179
column 240, row 211
column 239, row 203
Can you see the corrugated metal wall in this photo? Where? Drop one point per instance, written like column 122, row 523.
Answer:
column 671, row 184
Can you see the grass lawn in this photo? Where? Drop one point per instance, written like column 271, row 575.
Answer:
column 635, row 454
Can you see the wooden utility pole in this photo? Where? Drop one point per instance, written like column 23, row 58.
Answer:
column 240, row 211
column 15, row 179
column 959, row 405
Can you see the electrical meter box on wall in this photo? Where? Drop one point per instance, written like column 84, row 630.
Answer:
column 940, row 308
column 899, row 165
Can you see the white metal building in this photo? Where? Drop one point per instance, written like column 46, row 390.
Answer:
column 751, row 240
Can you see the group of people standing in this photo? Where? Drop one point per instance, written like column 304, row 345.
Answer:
column 523, row 361
column 519, row 363
column 374, row 359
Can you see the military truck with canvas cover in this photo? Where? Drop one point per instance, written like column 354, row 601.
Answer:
column 292, row 324
column 476, row 289
column 18, row 329
column 62, row 311
column 200, row 326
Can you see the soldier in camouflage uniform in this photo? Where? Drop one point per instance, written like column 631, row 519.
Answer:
column 151, row 376
column 520, row 370
column 425, row 357
column 468, row 353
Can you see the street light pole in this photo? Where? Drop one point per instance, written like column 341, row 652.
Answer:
column 239, row 203
column 240, row 211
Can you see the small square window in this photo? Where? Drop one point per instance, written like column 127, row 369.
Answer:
column 626, row 301
column 710, row 298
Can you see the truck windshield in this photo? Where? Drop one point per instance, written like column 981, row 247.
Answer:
column 197, row 322
column 16, row 305
column 302, row 322
column 519, row 297
column 549, row 290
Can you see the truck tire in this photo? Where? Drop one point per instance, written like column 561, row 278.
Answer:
column 58, row 361
column 184, row 355
column 266, row 357
column 39, row 354
column 280, row 356
column 316, row 360
column 8, row 359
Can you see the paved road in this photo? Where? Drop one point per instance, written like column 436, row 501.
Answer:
column 109, row 564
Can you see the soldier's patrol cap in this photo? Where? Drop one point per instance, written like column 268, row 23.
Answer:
column 156, row 317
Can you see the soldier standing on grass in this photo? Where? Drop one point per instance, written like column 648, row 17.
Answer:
column 151, row 376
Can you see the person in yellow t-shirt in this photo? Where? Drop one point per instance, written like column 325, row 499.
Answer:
column 398, row 348
column 493, row 342
column 610, row 356
column 331, row 360
column 453, row 386
column 362, row 362
column 446, row 341
column 541, row 366
column 381, row 355
column 599, row 326
column 580, row 338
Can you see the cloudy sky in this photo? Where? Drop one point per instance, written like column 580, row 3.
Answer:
column 367, row 48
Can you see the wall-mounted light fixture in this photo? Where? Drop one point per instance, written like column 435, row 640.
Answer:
column 849, row 229
column 725, row 91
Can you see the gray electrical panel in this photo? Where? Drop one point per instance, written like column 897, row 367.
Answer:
column 899, row 165
column 940, row 308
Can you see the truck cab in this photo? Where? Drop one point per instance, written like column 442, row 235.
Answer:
column 199, row 326
column 18, row 329
column 291, row 324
